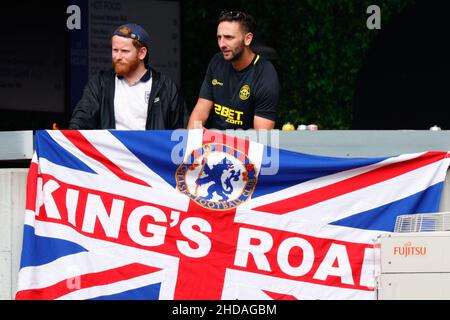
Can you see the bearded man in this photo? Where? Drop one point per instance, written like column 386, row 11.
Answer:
column 241, row 85
column 132, row 96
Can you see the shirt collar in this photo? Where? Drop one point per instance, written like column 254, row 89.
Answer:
column 144, row 78
column 254, row 60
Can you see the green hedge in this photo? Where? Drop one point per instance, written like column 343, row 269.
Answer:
column 320, row 45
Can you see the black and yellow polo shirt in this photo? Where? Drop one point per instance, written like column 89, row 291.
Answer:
column 238, row 96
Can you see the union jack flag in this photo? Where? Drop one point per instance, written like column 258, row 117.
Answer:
column 192, row 215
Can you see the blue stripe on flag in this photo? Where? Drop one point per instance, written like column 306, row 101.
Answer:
column 37, row 250
column 49, row 149
column 384, row 217
column 299, row 167
column 156, row 149
column 150, row 292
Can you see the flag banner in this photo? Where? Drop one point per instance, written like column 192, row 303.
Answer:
column 197, row 214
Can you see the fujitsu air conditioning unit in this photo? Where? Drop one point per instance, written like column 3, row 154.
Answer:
column 414, row 261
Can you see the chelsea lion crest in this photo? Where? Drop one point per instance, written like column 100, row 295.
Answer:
column 217, row 177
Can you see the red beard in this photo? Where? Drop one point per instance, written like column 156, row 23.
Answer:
column 125, row 68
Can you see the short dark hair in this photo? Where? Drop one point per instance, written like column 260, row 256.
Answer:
column 246, row 21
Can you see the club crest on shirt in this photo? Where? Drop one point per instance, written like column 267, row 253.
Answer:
column 217, row 177
column 147, row 96
column 244, row 93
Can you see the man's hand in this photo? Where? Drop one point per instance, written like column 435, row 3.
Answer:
column 200, row 114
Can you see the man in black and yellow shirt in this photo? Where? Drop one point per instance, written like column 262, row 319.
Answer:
column 240, row 89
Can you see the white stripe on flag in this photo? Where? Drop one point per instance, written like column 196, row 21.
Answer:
column 321, row 182
column 311, row 220
column 66, row 144
column 255, row 154
column 170, row 199
column 375, row 195
column 114, row 150
column 114, row 288
column 244, row 285
column 194, row 142
column 127, row 253
column 71, row 266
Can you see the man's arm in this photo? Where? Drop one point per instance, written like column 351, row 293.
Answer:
column 85, row 113
column 260, row 123
column 266, row 99
column 200, row 114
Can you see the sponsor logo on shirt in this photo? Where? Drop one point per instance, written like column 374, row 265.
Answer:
column 216, row 82
column 233, row 116
column 244, row 94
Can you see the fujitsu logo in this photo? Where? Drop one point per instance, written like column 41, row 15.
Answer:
column 409, row 250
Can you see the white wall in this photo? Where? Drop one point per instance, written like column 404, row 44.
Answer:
column 12, row 212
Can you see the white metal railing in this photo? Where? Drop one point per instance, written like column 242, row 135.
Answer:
column 423, row 222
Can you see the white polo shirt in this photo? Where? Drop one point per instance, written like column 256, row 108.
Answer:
column 131, row 102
